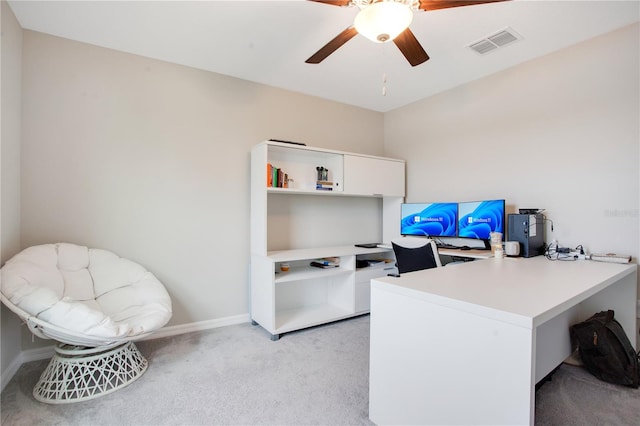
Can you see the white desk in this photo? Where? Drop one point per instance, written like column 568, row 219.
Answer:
column 467, row 344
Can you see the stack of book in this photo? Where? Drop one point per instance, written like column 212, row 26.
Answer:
column 276, row 178
column 326, row 262
column 324, row 185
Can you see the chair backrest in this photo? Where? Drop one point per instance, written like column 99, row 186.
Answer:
column 83, row 296
column 414, row 254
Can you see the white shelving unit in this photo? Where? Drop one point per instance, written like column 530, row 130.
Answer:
column 305, row 296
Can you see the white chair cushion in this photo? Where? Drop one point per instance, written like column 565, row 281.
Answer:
column 89, row 291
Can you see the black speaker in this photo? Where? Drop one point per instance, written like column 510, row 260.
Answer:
column 528, row 230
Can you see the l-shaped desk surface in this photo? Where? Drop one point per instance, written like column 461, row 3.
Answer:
column 479, row 335
column 519, row 290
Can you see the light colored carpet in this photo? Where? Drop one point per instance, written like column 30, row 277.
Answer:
column 319, row 376
column 575, row 397
column 230, row 375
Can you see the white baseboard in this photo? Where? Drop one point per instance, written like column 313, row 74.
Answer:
column 25, row 356
column 176, row 330
column 10, row 371
column 37, row 354
column 48, row 351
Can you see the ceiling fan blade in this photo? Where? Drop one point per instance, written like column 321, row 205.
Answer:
column 332, row 46
column 445, row 4
column 333, row 2
column 411, row 48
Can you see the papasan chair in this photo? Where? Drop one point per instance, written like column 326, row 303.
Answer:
column 95, row 304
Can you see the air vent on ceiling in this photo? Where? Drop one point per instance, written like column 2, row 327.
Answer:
column 495, row 41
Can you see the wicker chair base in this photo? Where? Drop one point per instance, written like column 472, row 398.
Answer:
column 77, row 373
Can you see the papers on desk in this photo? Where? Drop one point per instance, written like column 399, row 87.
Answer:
column 611, row 257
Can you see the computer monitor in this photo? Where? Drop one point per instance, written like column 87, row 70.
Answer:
column 429, row 219
column 477, row 219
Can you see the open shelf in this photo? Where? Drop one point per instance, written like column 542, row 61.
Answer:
column 309, row 272
column 308, row 316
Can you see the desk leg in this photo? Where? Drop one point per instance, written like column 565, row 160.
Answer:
column 620, row 296
column 431, row 364
column 553, row 340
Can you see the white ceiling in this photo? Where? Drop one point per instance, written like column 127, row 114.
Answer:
column 268, row 41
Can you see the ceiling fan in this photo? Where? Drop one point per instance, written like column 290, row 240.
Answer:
column 386, row 20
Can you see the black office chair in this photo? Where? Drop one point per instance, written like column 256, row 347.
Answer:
column 414, row 254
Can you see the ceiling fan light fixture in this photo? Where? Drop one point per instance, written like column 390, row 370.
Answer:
column 383, row 21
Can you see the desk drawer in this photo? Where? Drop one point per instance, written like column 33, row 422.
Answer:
column 363, row 284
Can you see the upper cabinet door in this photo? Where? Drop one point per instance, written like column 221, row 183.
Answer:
column 373, row 176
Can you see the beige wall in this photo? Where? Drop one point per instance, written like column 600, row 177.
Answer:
column 151, row 160
column 560, row 132
column 10, row 70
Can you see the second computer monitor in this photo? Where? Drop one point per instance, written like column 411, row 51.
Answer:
column 477, row 219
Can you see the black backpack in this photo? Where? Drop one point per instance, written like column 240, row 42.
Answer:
column 605, row 349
